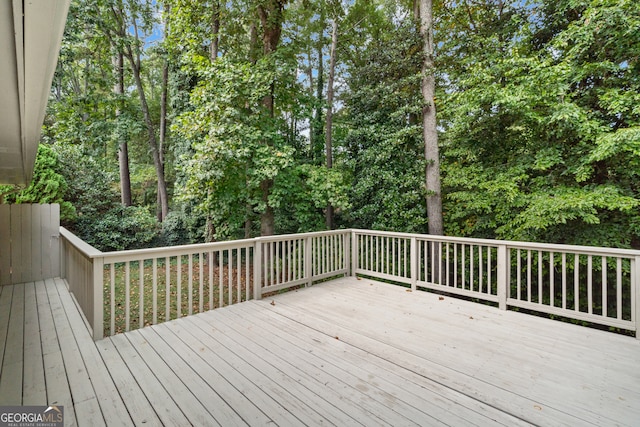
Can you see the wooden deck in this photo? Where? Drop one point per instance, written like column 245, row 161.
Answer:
column 346, row 352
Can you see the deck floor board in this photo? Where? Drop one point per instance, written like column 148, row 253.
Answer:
column 344, row 352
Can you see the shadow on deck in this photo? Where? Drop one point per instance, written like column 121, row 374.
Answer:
column 344, row 352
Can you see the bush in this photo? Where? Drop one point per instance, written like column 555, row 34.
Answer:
column 120, row 228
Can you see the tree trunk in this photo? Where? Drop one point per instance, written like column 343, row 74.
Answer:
column 430, row 133
column 271, row 16
column 210, row 232
column 153, row 143
column 317, row 122
column 329, row 128
column 215, row 32
column 123, row 147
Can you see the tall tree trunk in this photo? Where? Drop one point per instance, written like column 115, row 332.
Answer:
column 210, row 229
column 163, row 112
column 215, row 32
column 329, row 128
column 153, row 142
column 430, row 133
column 123, row 147
column 317, row 122
column 271, row 16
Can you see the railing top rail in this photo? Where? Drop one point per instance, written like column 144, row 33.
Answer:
column 554, row 247
column 168, row 251
column 88, row 250
column 127, row 255
column 281, row 237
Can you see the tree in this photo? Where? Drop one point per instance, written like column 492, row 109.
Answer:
column 123, row 30
column 383, row 143
column 329, row 125
column 271, row 13
column 531, row 103
column 429, row 123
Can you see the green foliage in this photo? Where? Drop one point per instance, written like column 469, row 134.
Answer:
column 47, row 186
column 101, row 220
column 538, row 110
column 120, row 228
column 539, row 139
column 384, row 141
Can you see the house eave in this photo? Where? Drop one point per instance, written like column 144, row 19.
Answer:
column 30, row 37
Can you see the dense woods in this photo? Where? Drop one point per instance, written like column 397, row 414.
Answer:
column 178, row 121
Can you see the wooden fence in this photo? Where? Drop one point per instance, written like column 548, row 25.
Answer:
column 29, row 246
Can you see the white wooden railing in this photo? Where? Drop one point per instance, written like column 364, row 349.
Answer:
column 596, row 285
column 120, row 291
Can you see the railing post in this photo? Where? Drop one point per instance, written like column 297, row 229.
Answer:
column 63, row 256
column 503, row 266
column 308, row 260
column 635, row 289
column 346, row 256
column 257, row 269
column 98, row 299
column 414, row 263
column 355, row 253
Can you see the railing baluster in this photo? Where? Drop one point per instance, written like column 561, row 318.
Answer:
column 201, row 282
column 271, row 261
column 230, row 277
column 471, row 268
column 488, row 270
column 238, row 274
column 439, row 262
column 220, row 278
column 604, row 286
column 433, row 261
column 529, row 276
column 127, row 299
column 247, row 259
column 179, row 284
column 519, row 275
column 480, row 269
column 141, row 290
column 190, row 284
column 619, row 288
column 540, row 295
column 112, row 271
column 455, row 265
column 448, row 267
column 167, row 285
column 377, row 266
column 590, row 284
column 210, row 259
column 464, row 262
column 552, row 289
column 564, row 280
column 576, row 282
column 154, row 274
